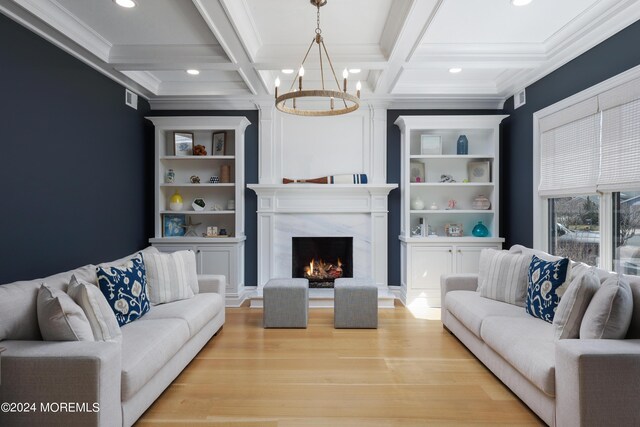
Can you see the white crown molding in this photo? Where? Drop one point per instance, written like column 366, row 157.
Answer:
column 202, row 103
column 202, row 89
column 146, row 79
column 240, row 16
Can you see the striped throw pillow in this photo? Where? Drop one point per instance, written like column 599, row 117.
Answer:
column 171, row 277
column 503, row 276
column 102, row 320
column 574, row 303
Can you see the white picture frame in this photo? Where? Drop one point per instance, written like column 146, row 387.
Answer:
column 417, row 172
column 430, row 145
column 479, row 171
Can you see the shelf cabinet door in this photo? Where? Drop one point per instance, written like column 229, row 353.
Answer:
column 468, row 258
column 216, row 260
column 428, row 264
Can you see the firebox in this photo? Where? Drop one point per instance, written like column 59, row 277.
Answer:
column 322, row 260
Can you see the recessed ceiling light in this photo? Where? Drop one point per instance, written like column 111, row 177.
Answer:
column 455, row 70
column 287, row 71
column 520, row 2
column 126, row 3
column 354, row 70
column 193, row 72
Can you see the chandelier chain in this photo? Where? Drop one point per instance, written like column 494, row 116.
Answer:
column 318, row 29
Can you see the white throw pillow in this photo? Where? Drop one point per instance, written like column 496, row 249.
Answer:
column 503, row 276
column 104, row 324
column 171, row 277
column 574, row 303
column 59, row 318
column 609, row 313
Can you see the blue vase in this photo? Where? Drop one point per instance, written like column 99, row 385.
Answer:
column 480, row 230
column 463, row 145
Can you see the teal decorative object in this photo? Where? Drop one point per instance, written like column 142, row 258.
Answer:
column 480, row 230
column 463, row 145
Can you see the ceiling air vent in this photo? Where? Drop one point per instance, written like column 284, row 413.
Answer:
column 519, row 99
column 131, row 99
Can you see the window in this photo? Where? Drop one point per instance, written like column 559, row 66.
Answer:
column 626, row 231
column 574, row 229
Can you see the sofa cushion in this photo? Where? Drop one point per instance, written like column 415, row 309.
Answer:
column 196, row 311
column 125, row 288
column 574, row 303
column 503, row 276
column 147, row 345
column 609, row 313
column 18, row 307
column 548, row 280
column 104, row 324
column 471, row 309
column 60, row 318
column 171, row 277
column 528, row 345
column 634, row 327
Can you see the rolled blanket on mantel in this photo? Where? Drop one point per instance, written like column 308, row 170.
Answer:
column 356, row 178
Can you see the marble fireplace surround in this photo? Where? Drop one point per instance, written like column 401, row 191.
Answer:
column 323, row 210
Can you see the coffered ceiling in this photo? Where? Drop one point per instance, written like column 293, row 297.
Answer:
column 404, row 48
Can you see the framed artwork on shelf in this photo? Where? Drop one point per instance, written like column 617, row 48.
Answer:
column 219, row 142
column 173, row 225
column 430, row 144
column 183, row 143
column 417, row 171
column 479, row 171
column 453, row 230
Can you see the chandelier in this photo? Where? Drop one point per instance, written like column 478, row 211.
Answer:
column 336, row 101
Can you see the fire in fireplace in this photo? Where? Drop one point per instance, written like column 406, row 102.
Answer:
column 322, row 259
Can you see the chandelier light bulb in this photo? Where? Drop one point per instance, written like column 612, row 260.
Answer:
column 345, row 74
column 277, row 81
column 358, row 87
column 301, row 72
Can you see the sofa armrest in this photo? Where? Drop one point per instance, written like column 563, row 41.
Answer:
column 64, row 382
column 597, row 382
column 455, row 282
column 213, row 283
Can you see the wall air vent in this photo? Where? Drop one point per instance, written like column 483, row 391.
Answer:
column 519, row 99
column 131, row 99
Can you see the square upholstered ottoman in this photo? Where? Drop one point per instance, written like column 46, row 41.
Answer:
column 355, row 304
column 286, row 303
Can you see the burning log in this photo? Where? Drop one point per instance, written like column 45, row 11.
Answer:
column 320, row 270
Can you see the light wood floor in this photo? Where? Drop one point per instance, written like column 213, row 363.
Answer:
column 409, row 372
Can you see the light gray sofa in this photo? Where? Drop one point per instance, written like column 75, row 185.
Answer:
column 123, row 377
column 570, row 382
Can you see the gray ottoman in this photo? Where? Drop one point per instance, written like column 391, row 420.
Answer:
column 355, row 304
column 286, row 303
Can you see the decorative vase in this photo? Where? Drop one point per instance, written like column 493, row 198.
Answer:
column 463, row 145
column 417, row 204
column 231, row 205
column 481, row 203
column 480, row 230
column 198, row 204
column 170, row 177
column 176, row 202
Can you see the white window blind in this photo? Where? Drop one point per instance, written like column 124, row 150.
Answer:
column 570, row 151
column 620, row 152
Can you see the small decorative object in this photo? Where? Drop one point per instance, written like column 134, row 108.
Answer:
column 214, row 180
column 451, row 204
column 356, row 178
column 212, row 231
column 199, row 150
column 198, row 204
column 480, row 230
column 225, row 174
column 183, row 143
column 416, row 172
column 223, row 231
column 231, row 205
column 446, row 178
column 170, row 177
column 453, row 230
column 173, row 225
column 216, row 207
column 430, row 144
column 195, row 179
column 190, row 228
column 417, row 204
column 416, row 231
column 463, row 145
column 434, row 206
column 176, row 202
column 479, row 171
column 219, row 140
column 481, row 203
column 465, row 180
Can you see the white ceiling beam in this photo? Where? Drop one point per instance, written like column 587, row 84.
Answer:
column 215, row 17
column 244, row 25
column 169, row 57
column 202, row 89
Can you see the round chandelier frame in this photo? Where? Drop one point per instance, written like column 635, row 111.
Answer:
column 347, row 102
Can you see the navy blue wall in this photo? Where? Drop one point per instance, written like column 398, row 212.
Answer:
column 613, row 56
column 76, row 164
column 393, row 177
column 250, row 177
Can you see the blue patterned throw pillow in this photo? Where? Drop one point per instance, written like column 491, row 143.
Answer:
column 546, row 285
column 125, row 288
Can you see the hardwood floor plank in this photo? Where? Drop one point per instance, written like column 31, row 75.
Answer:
column 409, row 372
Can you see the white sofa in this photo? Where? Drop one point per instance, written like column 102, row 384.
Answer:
column 571, row 382
column 124, row 378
